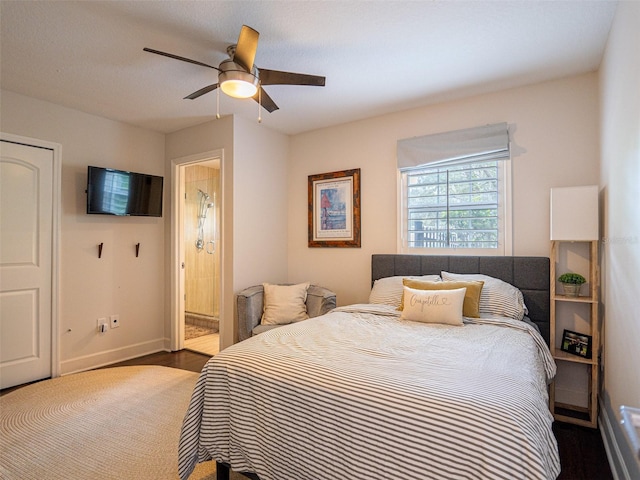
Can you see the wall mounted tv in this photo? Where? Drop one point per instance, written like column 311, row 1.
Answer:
column 116, row 192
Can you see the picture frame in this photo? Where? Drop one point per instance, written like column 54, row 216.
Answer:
column 334, row 209
column 576, row 343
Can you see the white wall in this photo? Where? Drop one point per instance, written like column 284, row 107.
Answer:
column 138, row 288
column 260, row 204
column 555, row 142
column 620, row 183
column 254, row 220
column 118, row 283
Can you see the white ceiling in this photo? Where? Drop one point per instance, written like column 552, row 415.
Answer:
column 378, row 56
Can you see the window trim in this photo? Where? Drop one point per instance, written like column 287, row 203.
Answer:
column 505, row 210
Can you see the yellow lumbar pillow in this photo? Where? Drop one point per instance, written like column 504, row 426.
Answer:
column 471, row 307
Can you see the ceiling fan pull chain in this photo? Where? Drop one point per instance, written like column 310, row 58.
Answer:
column 259, row 104
column 217, row 103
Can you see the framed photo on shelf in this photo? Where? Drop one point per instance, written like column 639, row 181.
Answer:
column 576, row 344
column 334, row 209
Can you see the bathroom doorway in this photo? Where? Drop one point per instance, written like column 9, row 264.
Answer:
column 202, row 267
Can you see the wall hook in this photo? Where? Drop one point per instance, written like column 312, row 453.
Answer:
column 100, row 250
column 137, row 249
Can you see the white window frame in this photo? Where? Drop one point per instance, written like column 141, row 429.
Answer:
column 505, row 232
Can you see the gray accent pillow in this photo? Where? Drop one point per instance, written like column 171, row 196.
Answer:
column 497, row 297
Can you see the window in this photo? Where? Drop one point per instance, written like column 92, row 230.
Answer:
column 459, row 205
column 116, row 196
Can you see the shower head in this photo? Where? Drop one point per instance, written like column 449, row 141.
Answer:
column 204, row 195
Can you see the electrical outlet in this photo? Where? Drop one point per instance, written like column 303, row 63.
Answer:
column 103, row 325
column 115, row 321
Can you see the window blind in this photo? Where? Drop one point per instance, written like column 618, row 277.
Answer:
column 489, row 142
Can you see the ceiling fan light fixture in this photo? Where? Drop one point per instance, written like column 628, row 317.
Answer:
column 238, row 88
column 236, row 82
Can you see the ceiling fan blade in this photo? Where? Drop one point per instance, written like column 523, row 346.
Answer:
column 246, row 48
column 176, row 57
column 275, row 77
column 201, row 92
column 267, row 103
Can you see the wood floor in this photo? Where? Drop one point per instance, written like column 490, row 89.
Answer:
column 184, row 359
column 207, row 344
column 582, row 454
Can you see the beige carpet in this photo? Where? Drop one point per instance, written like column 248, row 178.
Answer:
column 114, row 423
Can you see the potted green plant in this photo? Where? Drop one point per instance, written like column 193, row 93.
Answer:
column 571, row 283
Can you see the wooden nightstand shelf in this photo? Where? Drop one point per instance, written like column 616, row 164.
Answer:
column 580, row 415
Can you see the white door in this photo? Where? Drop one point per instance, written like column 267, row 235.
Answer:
column 26, row 255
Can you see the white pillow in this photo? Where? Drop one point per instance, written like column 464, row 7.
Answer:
column 497, row 297
column 433, row 306
column 284, row 304
column 388, row 290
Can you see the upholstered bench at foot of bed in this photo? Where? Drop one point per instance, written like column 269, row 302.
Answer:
column 250, row 303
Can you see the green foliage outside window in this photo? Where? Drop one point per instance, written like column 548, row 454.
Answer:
column 454, row 207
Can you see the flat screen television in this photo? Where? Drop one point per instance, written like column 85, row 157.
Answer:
column 116, row 192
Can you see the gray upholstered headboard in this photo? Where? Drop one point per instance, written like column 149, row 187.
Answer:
column 529, row 274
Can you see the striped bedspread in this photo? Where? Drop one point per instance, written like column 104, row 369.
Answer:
column 360, row 394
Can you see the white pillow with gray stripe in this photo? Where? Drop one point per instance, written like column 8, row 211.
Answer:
column 388, row 290
column 498, row 297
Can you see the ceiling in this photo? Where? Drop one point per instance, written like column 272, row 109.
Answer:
column 378, row 56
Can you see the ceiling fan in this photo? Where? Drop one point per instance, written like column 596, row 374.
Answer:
column 239, row 77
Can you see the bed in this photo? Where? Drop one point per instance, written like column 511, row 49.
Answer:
column 363, row 393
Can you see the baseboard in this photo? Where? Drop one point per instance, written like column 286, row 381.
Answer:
column 108, row 357
column 621, row 459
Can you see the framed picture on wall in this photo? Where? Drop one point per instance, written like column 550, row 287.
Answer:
column 334, row 209
column 576, row 344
